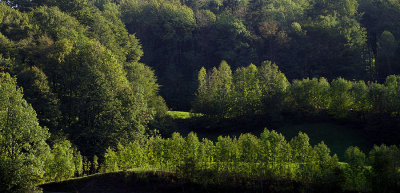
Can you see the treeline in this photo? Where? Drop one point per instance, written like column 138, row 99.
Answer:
column 80, row 70
column 353, row 39
column 269, row 157
column 265, row 90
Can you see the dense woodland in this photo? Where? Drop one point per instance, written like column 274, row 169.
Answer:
column 83, row 83
column 305, row 38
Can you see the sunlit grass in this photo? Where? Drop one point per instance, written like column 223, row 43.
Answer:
column 183, row 115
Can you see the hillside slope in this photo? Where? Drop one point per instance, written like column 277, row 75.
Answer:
column 155, row 182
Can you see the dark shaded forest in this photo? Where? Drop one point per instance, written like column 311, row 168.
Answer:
column 356, row 40
column 87, row 86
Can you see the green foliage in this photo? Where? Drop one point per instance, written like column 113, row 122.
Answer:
column 81, row 72
column 38, row 93
column 392, row 84
column 165, row 28
column 356, row 173
column 95, row 164
column 310, row 95
column 268, row 157
column 233, row 42
column 250, row 90
column 341, row 99
column 110, row 161
column 16, row 176
column 385, row 164
column 359, row 92
column 23, row 142
column 78, row 161
column 378, row 95
column 328, row 165
column 265, row 90
column 79, row 64
column 214, row 96
column 247, row 95
column 61, row 164
column 273, row 86
column 13, row 24
column 383, row 34
column 316, row 38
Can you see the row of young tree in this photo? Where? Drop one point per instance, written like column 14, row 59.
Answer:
column 268, row 157
column 264, row 90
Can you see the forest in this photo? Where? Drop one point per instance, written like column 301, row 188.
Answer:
column 90, row 87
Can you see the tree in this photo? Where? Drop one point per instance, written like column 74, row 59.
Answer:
column 273, row 86
column 226, row 154
column 275, row 150
column 23, row 142
column 222, row 83
column 235, row 7
column 385, row 163
column 78, row 162
column 392, row 84
column 341, row 99
column 110, row 163
column 214, row 95
column 378, row 96
column 206, row 153
column 95, row 164
column 249, row 153
column 145, row 87
column 386, row 49
column 61, row 163
column 38, row 93
column 191, row 154
column 310, row 95
column 13, row 24
column 176, row 150
column 247, row 94
column 362, row 103
column 355, row 173
column 93, row 68
column 379, row 18
column 202, row 96
column 233, row 41
column 327, row 165
column 98, row 101
column 304, row 156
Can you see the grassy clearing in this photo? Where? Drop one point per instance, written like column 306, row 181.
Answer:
column 182, row 114
column 338, row 137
